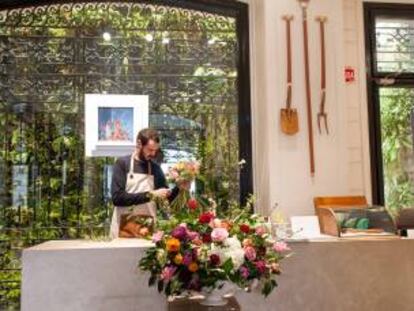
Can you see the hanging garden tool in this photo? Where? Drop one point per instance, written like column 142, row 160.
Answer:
column 304, row 5
column 322, row 115
column 289, row 115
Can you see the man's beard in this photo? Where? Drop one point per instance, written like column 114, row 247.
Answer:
column 141, row 155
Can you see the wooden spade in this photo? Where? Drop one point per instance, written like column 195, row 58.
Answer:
column 288, row 115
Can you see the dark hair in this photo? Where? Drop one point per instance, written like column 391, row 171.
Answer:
column 145, row 135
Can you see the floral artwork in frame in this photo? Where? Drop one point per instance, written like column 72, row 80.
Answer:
column 112, row 122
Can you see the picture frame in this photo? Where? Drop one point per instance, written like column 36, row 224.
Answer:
column 112, row 123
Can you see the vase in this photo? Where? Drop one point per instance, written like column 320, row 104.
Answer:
column 216, row 297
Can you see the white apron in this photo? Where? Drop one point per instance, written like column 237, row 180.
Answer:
column 135, row 183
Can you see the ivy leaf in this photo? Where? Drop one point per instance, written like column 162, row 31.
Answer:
column 152, row 280
column 228, row 266
column 160, row 286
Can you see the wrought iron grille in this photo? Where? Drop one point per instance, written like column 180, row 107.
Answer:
column 394, row 45
column 50, row 56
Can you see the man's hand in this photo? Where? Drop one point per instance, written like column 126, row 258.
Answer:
column 162, row 193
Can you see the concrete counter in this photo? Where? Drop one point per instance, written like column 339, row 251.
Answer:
column 328, row 275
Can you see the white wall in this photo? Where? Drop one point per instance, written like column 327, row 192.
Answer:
column 281, row 163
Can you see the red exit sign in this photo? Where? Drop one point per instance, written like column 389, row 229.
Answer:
column 349, row 74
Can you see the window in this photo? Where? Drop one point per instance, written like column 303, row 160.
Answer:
column 390, row 54
column 190, row 58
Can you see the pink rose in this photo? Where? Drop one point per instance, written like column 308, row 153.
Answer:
column 280, row 247
column 167, row 273
column 244, row 271
column 219, row 234
column 193, row 235
column 157, row 236
column 250, row 253
column 173, row 174
column 260, row 230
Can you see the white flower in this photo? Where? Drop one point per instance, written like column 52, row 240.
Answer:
column 232, row 249
column 161, row 256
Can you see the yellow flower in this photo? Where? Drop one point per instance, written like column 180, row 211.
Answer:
column 193, row 267
column 180, row 166
column 178, row 259
column 173, row 245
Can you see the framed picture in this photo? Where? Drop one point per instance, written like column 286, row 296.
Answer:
column 112, row 122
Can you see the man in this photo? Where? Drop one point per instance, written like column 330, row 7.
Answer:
column 135, row 177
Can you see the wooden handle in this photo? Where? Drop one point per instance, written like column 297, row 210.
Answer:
column 322, row 20
column 288, row 17
column 304, row 4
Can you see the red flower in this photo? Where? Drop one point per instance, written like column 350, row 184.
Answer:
column 205, row 218
column 214, row 259
column 206, row 238
column 192, row 204
column 244, row 228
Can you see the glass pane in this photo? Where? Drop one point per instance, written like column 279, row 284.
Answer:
column 394, row 44
column 51, row 56
column 397, row 109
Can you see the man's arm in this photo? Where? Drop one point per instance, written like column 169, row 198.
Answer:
column 119, row 195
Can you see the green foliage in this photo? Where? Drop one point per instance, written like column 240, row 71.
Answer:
column 396, row 105
column 66, row 197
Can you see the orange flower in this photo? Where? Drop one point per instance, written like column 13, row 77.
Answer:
column 178, row 259
column 226, row 225
column 173, row 245
column 193, row 267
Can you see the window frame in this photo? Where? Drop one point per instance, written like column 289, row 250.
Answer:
column 371, row 12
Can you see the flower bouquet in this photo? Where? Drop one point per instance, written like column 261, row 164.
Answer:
column 182, row 173
column 198, row 250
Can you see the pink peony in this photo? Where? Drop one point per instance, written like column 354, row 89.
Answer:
column 179, row 232
column 167, row 273
column 157, row 236
column 260, row 266
column 219, row 234
column 280, row 247
column 250, row 253
column 193, row 235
